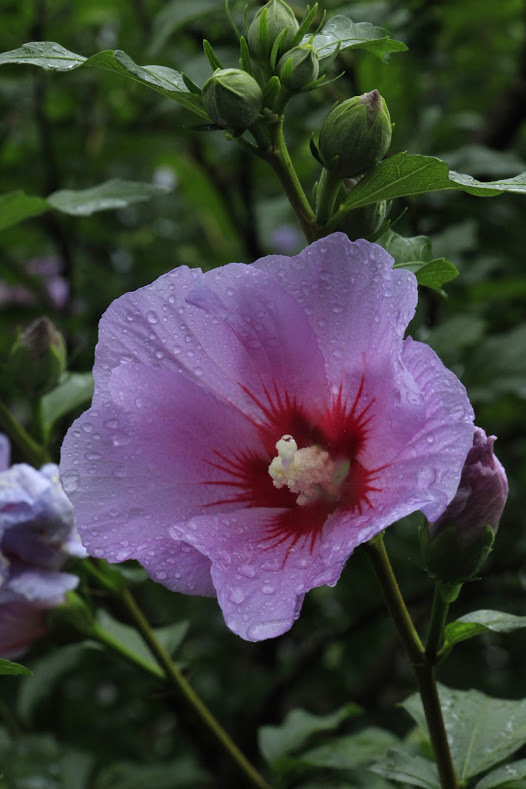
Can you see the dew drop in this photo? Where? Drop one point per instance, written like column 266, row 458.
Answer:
column 70, row 481
column 159, row 354
column 151, row 317
column 247, row 570
column 267, row 589
column 87, row 427
column 269, row 629
column 236, row 595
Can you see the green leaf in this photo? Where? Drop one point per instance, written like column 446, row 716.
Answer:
column 46, row 54
column 174, row 15
column 351, row 751
column 341, row 32
column 171, row 636
column 16, row 206
column 131, row 775
column 410, row 174
column 433, row 274
column 405, row 767
column 482, row 731
column 503, row 776
column 104, row 197
column 406, row 250
column 53, row 57
column 7, row 667
column 74, row 390
column 278, row 741
column 479, row 622
column 415, row 255
column 46, row 673
column 117, row 193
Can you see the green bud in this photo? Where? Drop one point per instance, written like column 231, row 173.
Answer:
column 448, row 558
column 356, row 135
column 271, row 20
column 232, row 98
column 364, row 222
column 37, row 358
column 298, row 67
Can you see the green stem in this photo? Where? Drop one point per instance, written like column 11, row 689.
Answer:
column 423, row 669
column 176, row 678
column 435, row 636
column 277, row 155
column 32, row 452
column 328, row 187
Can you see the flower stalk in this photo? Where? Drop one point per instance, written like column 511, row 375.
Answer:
column 278, row 157
column 423, row 667
column 32, row 453
column 178, row 681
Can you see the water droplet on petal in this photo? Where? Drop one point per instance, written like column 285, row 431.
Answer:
column 151, row 317
column 267, row 589
column 70, row 481
column 236, row 595
column 247, row 570
column 270, row 629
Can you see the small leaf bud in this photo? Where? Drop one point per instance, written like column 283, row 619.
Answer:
column 271, row 20
column 232, row 98
column 37, row 358
column 455, row 546
column 355, row 135
column 303, row 69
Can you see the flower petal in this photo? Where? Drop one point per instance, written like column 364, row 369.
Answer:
column 245, row 327
column 260, row 586
column 357, row 305
column 428, row 469
column 139, row 463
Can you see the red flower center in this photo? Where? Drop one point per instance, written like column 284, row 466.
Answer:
column 298, row 512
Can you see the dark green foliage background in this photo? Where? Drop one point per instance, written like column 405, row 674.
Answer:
column 459, row 93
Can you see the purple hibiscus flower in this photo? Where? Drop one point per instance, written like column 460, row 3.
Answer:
column 252, row 425
column 37, row 534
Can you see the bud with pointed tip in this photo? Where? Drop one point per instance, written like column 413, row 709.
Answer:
column 232, row 98
column 355, row 135
column 456, row 545
column 303, row 69
column 37, row 358
column 268, row 23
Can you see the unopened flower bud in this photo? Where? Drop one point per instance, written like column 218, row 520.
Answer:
column 356, row 135
column 37, row 358
column 232, row 98
column 456, row 545
column 298, row 67
column 271, row 20
column 364, row 222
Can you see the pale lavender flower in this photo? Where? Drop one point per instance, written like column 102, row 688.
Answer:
column 37, row 535
column 253, row 424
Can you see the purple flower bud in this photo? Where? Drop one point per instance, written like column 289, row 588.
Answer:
column 458, row 542
column 37, row 535
column 481, row 495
